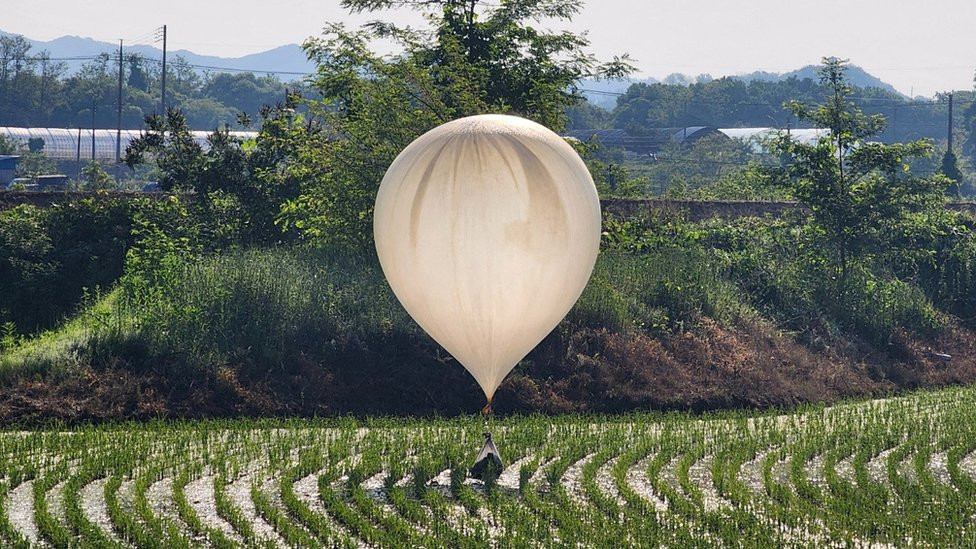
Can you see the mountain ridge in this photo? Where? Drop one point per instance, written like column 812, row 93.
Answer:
column 289, row 63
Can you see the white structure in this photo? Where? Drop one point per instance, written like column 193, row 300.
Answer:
column 76, row 144
column 756, row 136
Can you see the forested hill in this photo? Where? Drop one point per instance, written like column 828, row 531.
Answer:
column 855, row 75
column 733, row 102
column 603, row 93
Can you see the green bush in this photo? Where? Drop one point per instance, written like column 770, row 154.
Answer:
column 261, row 311
column 49, row 256
column 877, row 307
column 660, row 292
column 783, row 269
column 266, row 307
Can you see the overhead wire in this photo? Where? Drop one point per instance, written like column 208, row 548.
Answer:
column 141, row 38
column 159, row 61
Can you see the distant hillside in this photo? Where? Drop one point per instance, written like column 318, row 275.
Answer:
column 855, row 75
column 604, row 93
column 288, row 61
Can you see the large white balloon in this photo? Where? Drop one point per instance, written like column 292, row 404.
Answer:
column 487, row 229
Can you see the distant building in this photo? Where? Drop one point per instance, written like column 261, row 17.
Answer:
column 646, row 142
column 756, row 136
column 8, row 168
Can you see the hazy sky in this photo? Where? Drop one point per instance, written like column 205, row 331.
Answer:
column 923, row 47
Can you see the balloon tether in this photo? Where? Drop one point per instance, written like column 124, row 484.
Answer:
column 486, row 413
column 488, row 457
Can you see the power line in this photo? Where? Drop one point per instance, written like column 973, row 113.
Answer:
column 108, row 56
column 233, row 69
column 141, row 38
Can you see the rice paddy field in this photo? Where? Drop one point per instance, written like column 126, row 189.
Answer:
column 885, row 473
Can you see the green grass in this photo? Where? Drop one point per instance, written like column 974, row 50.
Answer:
column 69, row 347
column 268, row 308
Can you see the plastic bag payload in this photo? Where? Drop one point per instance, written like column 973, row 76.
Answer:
column 488, row 461
column 487, row 229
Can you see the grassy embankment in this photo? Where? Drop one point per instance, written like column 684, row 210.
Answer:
column 704, row 315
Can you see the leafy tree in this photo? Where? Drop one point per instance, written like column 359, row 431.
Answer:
column 587, row 116
column 15, row 64
column 474, row 57
column 29, row 84
column 138, row 77
column 32, row 164
column 232, row 177
column 93, row 87
column 730, row 102
column 7, row 145
column 969, row 147
column 207, row 113
column 861, row 194
column 96, row 178
column 182, row 80
column 168, row 141
column 243, row 92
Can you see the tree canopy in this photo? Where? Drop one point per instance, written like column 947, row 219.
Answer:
column 861, row 193
column 473, row 57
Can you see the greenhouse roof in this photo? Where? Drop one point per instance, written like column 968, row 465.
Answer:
column 76, row 144
column 648, row 140
column 806, row 136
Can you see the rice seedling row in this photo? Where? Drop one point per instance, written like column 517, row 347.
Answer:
column 896, row 472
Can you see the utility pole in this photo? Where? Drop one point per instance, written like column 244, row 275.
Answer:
column 163, row 95
column 93, row 128
column 950, row 122
column 118, row 128
column 44, row 61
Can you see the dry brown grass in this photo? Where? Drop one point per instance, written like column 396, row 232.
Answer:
column 712, row 367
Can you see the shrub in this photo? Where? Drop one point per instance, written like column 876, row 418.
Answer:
column 49, row 256
column 659, row 292
column 267, row 307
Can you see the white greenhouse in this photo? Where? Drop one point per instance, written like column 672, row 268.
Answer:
column 756, row 136
column 87, row 144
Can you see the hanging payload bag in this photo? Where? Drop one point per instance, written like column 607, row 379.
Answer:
column 488, row 459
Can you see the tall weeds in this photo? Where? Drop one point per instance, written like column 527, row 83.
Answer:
column 266, row 307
